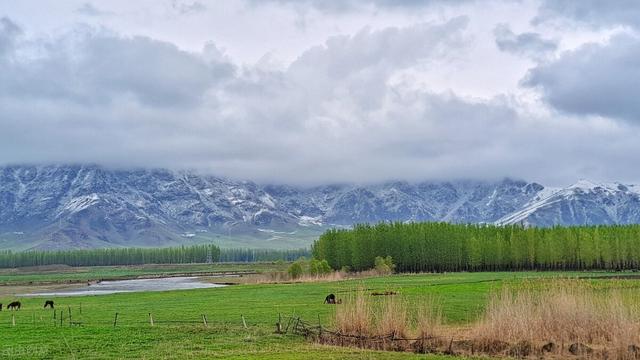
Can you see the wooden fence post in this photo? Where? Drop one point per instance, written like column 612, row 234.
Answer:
column 69, row 314
column 13, row 319
column 115, row 320
column 204, row 320
column 150, row 319
column 61, row 316
column 244, row 323
column 279, row 324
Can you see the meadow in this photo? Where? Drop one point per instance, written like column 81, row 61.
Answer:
column 178, row 331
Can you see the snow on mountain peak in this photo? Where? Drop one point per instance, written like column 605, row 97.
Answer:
column 585, row 184
column 48, row 205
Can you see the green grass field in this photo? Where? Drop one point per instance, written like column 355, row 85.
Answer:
column 179, row 333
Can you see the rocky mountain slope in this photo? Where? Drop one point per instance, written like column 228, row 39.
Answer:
column 89, row 206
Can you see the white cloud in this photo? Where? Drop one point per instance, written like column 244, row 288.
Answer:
column 89, row 9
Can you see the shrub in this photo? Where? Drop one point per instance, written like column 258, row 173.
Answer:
column 319, row 268
column 295, row 270
column 384, row 265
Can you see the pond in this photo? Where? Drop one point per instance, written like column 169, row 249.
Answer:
column 137, row 285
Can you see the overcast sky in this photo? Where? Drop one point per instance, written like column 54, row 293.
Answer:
column 312, row 91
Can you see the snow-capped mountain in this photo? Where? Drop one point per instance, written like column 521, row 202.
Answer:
column 584, row 203
column 90, row 206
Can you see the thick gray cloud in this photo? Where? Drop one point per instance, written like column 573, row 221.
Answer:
column 9, row 31
column 362, row 106
column 525, row 44
column 593, row 12
column 594, row 79
column 90, row 67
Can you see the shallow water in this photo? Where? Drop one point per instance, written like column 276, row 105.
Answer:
column 137, row 285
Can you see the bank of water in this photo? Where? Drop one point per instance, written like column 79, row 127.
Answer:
column 137, row 285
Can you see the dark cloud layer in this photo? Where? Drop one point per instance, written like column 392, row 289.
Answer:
column 526, row 44
column 358, row 107
column 594, row 79
column 9, row 31
column 97, row 68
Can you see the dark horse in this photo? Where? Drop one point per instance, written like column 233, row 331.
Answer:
column 330, row 299
column 48, row 303
column 14, row 305
column 0, row 307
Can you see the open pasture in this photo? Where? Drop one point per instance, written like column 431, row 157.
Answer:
column 179, row 331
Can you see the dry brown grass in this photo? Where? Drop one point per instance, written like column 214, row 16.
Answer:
column 355, row 316
column 381, row 316
column 283, row 277
column 428, row 319
column 563, row 313
column 393, row 318
column 555, row 319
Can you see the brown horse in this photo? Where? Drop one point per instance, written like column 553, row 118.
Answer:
column 14, row 305
column 48, row 303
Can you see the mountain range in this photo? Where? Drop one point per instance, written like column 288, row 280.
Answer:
column 73, row 206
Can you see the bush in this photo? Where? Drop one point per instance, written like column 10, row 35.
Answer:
column 295, row 270
column 319, row 268
column 384, row 265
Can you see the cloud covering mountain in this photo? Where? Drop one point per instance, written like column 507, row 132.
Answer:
column 367, row 91
column 60, row 207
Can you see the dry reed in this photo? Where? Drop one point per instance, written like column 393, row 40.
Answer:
column 558, row 318
column 355, row 316
column 564, row 312
column 387, row 316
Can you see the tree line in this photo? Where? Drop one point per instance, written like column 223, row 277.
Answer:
column 255, row 255
column 111, row 256
column 141, row 256
column 432, row 246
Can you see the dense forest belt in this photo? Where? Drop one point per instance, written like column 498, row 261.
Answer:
column 111, row 256
column 440, row 247
column 18, row 282
column 193, row 254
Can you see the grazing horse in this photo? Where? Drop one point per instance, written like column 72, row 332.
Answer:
column 330, row 299
column 48, row 303
column 0, row 307
column 14, row 305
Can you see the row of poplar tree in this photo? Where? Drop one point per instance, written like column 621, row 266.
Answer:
column 141, row 256
column 111, row 256
column 464, row 247
column 255, row 255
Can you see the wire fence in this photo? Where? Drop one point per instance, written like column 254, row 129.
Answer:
column 74, row 317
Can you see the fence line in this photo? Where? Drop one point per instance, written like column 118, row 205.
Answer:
column 63, row 318
column 303, row 328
